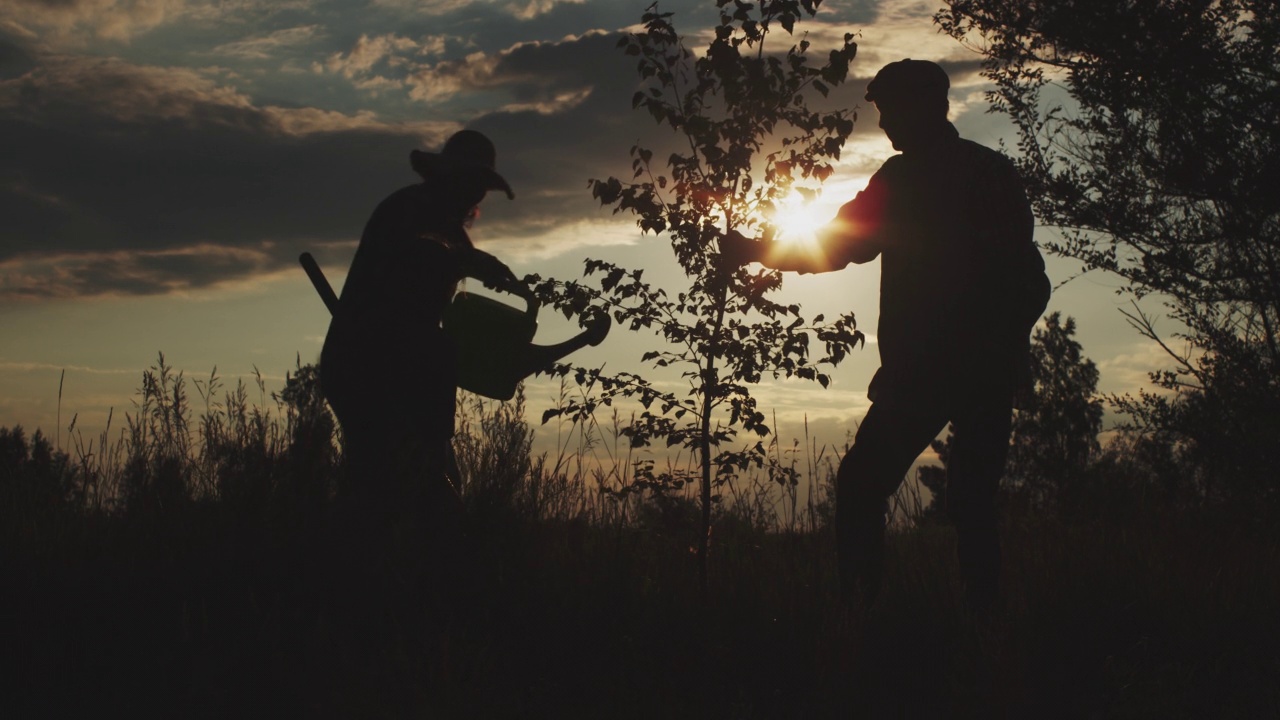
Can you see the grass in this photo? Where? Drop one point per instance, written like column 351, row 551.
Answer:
column 219, row 583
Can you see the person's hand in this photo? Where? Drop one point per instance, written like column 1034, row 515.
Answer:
column 737, row 249
column 487, row 269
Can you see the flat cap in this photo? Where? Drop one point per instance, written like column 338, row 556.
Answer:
column 908, row 78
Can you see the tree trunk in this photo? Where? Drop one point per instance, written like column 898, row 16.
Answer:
column 710, row 383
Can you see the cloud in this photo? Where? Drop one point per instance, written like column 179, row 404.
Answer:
column 247, row 12
column 77, row 24
column 534, row 74
column 529, row 9
column 519, row 9
column 558, row 152
column 558, row 239
column 77, row 20
column 110, row 158
column 443, row 80
column 906, row 30
column 369, row 52
column 555, row 109
column 378, row 64
column 8, row 366
column 436, row 44
column 1130, row 370
column 556, row 104
column 263, row 47
column 376, row 86
column 118, row 157
column 130, row 272
column 115, row 89
column 423, row 7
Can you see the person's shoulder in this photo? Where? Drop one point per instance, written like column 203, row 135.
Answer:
column 986, row 158
column 397, row 204
column 408, row 193
column 893, row 162
column 894, row 167
column 391, row 216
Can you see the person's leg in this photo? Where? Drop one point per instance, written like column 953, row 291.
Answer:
column 888, row 440
column 979, row 447
column 429, row 556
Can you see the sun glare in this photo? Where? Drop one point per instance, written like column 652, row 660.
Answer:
column 797, row 221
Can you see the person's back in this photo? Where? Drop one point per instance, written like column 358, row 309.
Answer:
column 961, row 265
column 386, row 366
column 403, row 270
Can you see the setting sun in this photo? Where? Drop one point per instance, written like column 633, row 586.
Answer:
column 798, row 221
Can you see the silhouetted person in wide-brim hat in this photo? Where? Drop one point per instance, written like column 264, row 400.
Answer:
column 387, row 368
column 962, row 285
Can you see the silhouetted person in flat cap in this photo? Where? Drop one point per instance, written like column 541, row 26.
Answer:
column 387, row 369
column 962, row 285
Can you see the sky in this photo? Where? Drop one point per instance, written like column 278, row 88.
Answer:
column 164, row 162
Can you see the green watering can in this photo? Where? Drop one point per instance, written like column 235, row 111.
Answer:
column 495, row 340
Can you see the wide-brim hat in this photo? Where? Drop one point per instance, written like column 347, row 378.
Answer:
column 466, row 156
column 909, row 79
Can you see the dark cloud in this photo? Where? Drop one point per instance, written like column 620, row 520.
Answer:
column 961, row 70
column 111, row 157
column 688, row 17
column 549, row 158
column 55, row 4
column 108, row 157
column 493, row 26
column 15, row 58
column 556, row 154
column 131, row 273
column 476, row 34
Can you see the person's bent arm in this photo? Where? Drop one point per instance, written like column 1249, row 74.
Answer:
column 488, row 269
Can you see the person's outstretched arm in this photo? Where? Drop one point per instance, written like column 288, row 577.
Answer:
column 854, row 235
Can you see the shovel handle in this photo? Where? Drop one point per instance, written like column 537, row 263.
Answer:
column 318, row 280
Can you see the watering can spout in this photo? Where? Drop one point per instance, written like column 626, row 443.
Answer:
column 542, row 357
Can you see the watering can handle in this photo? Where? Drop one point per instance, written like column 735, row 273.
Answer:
column 520, row 290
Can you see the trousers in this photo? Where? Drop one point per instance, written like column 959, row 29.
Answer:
column 888, row 441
